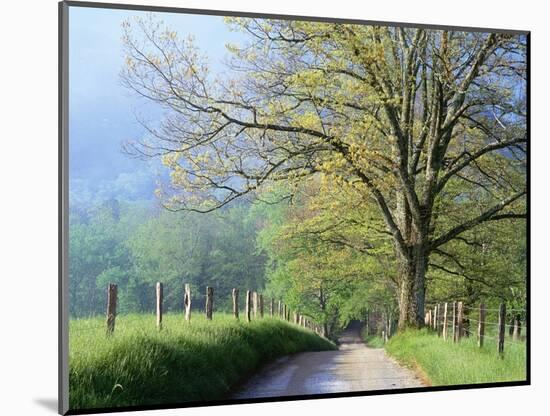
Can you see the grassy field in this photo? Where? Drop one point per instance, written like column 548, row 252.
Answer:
column 373, row 341
column 203, row 360
column 448, row 363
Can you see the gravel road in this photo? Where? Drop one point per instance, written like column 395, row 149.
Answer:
column 353, row 367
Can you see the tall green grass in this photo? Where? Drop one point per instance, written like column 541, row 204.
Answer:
column 448, row 363
column 373, row 341
column 200, row 361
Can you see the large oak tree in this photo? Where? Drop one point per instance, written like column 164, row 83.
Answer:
column 399, row 114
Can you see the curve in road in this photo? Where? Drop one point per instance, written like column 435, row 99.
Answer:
column 353, row 367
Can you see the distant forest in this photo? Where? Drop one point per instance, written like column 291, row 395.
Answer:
column 136, row 244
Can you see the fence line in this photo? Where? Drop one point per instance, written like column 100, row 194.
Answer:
column 254, row 305
column 462, row 324
column 497, row 324
column 472, row 308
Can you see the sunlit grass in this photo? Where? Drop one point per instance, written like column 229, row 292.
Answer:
column 203, row 360
column 373, row 341
column 448, row 363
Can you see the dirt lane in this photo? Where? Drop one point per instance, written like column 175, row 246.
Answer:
column 354, row 367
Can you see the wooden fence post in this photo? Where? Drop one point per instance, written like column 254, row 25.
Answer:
column 445, row 320
column 159, row 305
column 460, row 319
column 466, row 329
column 187, row 302
column 248, row 302
column 501, row 328
column 481, row 325
column 455, row 321
column 111, row 307
column 235, row 296
column 440, row 319
column 255, row 304
column 261, row 305
column 209, row 302
column 517, row 327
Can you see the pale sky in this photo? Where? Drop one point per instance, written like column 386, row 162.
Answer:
column 102, row 111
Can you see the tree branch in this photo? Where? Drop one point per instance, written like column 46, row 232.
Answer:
column 486, row 216
column 472, row 157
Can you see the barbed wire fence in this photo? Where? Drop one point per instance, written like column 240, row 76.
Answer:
column 256, row 306
column 455, row 320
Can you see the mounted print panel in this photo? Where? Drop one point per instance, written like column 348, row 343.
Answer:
column 266, row 208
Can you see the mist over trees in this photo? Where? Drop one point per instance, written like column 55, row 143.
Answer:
column 135, row 245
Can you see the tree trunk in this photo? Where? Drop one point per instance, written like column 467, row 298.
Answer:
column 412, row 261
column 412, row 273
column 324, row 329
